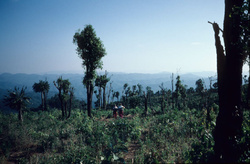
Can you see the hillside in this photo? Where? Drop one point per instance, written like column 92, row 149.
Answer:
column 162, row 131
column 9, row 81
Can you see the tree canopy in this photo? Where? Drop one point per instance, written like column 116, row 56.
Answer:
column 18, row 100
column 42, row 87
column 91, row 50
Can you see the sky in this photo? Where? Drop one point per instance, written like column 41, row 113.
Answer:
column 140, row 36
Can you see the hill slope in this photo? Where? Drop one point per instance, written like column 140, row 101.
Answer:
column 9, row 81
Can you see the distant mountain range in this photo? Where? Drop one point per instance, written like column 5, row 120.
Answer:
column 9, row 81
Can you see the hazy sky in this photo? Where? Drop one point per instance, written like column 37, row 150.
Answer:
column 36, row 36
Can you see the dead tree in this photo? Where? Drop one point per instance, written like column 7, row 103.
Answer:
column 229, row 70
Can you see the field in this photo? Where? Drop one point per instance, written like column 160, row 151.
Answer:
column 44, row 137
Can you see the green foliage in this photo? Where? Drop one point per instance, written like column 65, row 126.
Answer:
column 17, row 100
column 199, row 86
column 91, row 50
column 179, row 93
column 66, row 93
column 134, row 101
column 43, row 88
column 244, row 143
column 101, row 82
column 175, row 136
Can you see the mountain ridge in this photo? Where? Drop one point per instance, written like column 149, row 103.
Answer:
column 8, row 81
column 153, row 80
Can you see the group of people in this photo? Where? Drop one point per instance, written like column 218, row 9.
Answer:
column 120, row 110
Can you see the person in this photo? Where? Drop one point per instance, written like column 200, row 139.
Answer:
column 121, row 110
column 115, row 111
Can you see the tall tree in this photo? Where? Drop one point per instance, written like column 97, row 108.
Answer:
column 177, row 93
column 117, row 94
column 140, row 87
column 126, row 90
column 246, row 40
column 199, row 86
column 229, row 70
column 200, row 90
column 133, row 90
column 172, row 83
column 180, row 92
column 163, row 93
column 98, row 84
column 43, row 88
column 71, row 94
column 104, row 80
column 110, row 90
column 65, row 95
column 59, row 86
column 125, row 87
column 91, row 50
column 17, row 99
column 146, row 95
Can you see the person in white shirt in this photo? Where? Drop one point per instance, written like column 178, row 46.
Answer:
column 121, row 110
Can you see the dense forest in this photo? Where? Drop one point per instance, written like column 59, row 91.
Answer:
column 201, row 124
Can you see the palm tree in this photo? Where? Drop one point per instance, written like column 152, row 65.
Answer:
column 59, row 85
column 43, row 88
column 17, row 100
column 65, row 94
column 98, row 84
column 125, row 91
column 104, row 80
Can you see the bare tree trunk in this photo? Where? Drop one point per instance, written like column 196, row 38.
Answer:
column 65, row 108
column 70, row 104
column 146, row 103
column 229, row 68
column 172, row 82
column 100, row 97
column 90, row 89
column 248, row 88
column 45, row 100
column 109, row 91
column 88, row 99
column 42, row 98
column 163, row 103
column 20, row 114
column 104, row 97
column 248, row 52
column 61, row 102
